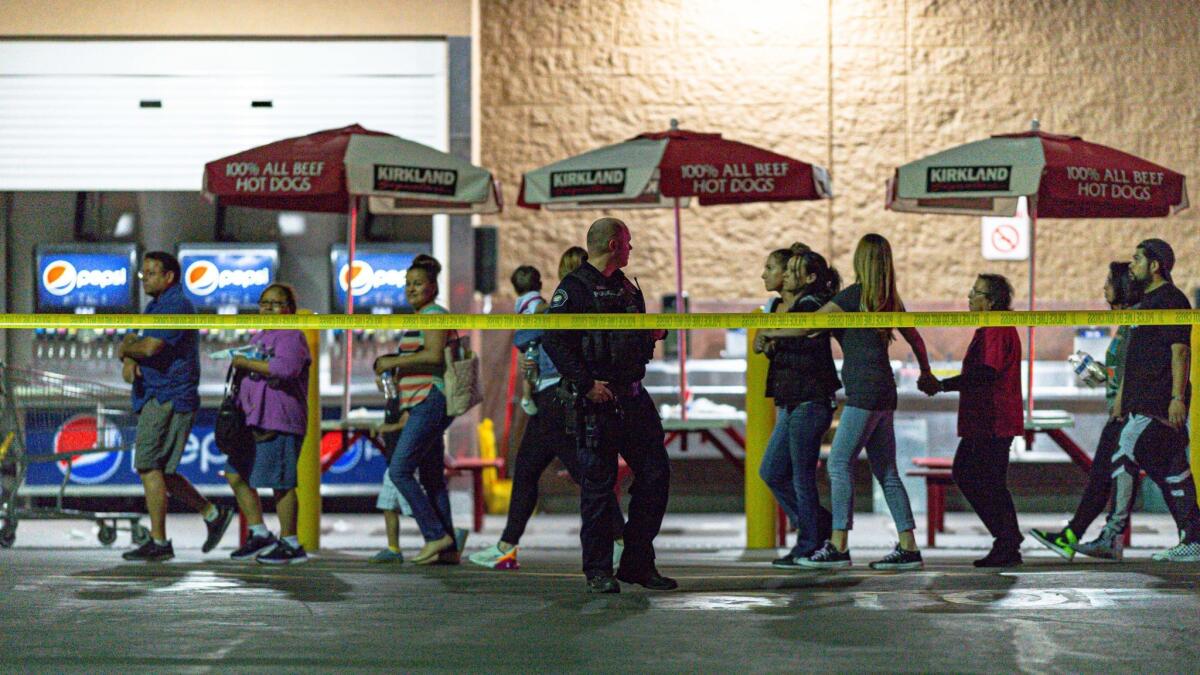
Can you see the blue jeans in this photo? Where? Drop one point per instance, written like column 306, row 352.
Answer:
column 422, row 448
column 874, row 430
column 789, row 468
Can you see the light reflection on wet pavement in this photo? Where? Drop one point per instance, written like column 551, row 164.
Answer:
column 88, row 610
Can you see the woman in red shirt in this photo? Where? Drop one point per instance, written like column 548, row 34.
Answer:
column 989, row 416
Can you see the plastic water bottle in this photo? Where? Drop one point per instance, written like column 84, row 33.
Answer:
column 388, row 380
column 1086, row 369
column 531, row 362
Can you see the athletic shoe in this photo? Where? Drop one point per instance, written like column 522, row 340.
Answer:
column 151, row 552
column 1180, row 552
column 387, row 555
column 216, row 528
column 492, row 557
column 899, row 559
column 603, row 583
column 650, row 579
column 255, row 546
column 1110, row 545
column 1062, row 543
column 1000, row 557
column 787, row 562
column 284, row 554
column 827, row 557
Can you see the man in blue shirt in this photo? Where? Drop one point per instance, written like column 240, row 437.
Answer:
column 164, row 368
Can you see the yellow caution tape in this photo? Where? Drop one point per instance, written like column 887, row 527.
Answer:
column 601, row 321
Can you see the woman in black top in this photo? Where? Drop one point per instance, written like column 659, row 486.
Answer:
column 867, row 419
column 802, row 379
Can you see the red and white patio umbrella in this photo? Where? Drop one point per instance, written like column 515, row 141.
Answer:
column 665, row 170
column 1060, row 176
column 329, row 171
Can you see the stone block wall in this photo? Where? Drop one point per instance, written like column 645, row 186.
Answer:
column 859, row 86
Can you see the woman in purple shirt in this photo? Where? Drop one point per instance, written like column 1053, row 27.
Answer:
column 273, row 394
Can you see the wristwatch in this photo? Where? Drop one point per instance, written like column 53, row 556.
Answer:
column 1177, row 398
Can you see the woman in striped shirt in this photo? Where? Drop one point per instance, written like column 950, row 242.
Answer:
column 418, row 368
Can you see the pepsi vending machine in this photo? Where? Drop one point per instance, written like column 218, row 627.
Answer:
column 217, row 278
column 378, row 284
column 225, row 279
column 82, row 279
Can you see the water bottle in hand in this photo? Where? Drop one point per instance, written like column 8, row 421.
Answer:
column 1087, row 371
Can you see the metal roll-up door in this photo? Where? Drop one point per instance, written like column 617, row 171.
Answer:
column 143, row 115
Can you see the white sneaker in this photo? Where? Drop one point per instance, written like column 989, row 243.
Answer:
column 1180, row 552
column 492, row 557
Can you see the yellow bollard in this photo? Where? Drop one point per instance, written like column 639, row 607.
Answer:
column 496, row 492
column 308, row 471
column 1194, row 412
column 760, row 420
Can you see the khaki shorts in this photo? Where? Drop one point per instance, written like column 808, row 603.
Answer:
column 162, row 435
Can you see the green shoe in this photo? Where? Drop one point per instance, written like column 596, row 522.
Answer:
column 387, row 555
column 1063, row 543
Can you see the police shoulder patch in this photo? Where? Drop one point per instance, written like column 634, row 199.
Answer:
column 558, row 299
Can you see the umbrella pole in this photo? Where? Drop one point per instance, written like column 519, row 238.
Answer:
column 680, row 334
column 1032, row 270
column 351, row 230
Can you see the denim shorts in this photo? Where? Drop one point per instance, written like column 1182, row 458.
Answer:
column 275, row 462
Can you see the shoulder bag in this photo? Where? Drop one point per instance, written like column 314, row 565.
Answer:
column 464, row 387
column 230, row 433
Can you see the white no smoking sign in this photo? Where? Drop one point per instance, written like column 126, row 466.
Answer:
column 1006, row 238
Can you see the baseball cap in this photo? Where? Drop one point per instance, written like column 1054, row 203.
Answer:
column 1160, row 251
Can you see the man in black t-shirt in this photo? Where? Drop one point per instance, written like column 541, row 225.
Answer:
column 1154, row 395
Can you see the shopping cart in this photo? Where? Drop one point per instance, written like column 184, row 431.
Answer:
column 66, row 420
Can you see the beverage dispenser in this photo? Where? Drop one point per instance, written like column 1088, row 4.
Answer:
column 225, row 279
column 377, row 284
column 83, row 278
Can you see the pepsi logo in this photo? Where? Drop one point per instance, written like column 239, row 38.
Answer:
column 360, row 281
column 331, row 443
column 60, row 278
column 201, row 278
column 87, row 432
column 366, row 278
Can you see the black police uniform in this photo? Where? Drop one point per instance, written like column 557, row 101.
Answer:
column 630, row 425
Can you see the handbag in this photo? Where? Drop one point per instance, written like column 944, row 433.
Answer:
column 231, row 435
column 464, row 385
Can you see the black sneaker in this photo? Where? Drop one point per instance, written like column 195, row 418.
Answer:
column 255, row 546
column 899, row 559
column 787, row 562
column 827, row 557
column 1063, row 543
column 151, row 552
column 1000, row 557
column 603, row 583
column 216, row 528
column 651, row 580
column 283, row 554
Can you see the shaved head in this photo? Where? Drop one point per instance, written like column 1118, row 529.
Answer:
column 601, row 233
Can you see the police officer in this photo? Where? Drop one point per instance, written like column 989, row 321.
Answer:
column 602, row 374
